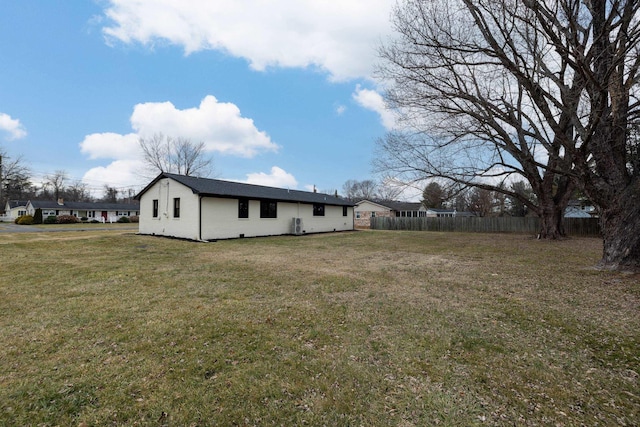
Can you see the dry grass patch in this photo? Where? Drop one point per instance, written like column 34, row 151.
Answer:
column 367, row 328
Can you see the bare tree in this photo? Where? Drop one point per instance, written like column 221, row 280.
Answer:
column 57, row 181
column 389, row 189
column 466, row 119
column 481, row 201
column 110, row 194
column 384, row 190
column 540, row 90
column 14, row 179
column 175, row 155
column 366, row 189
column 78, row 192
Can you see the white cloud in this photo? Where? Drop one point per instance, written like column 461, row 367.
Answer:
column 372, row 100
column 218, row 124
column 12, row 126
column 110, row 145
column 119, row 174
column 276, row 178
column 338, row 37
column 340, row 109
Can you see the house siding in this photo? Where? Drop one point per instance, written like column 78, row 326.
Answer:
column 365, row 211
column 212, row 218
column 220, row 219
column 165, row 190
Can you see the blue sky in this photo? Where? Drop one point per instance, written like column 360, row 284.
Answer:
column 280, row 91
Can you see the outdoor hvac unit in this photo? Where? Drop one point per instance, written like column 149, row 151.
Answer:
column 297, row 226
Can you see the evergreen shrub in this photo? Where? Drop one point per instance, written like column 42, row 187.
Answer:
column 37, row 216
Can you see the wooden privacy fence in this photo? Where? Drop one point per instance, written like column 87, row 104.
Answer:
column 528, row 225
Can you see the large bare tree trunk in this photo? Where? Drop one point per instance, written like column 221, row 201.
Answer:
column 620, row 224
column 551, row 226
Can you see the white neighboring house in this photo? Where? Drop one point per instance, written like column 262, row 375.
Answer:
column 210, row 209
column 99, row 211
column 15, row 208
column 366, row 209
column 580, row 209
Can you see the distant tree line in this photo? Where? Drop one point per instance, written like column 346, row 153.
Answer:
column 16, row 183
column 160, row 153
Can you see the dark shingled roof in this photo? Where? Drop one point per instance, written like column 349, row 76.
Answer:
column 230, row 189
column 82, row 206
column 17, row 203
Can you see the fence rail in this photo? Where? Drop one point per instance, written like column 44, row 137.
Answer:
column 526, row 225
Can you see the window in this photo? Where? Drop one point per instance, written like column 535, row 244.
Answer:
column 357, row 215
column 318, row 209
column 268, row 209
column 155, row 208
column 243, row 208
column 176, row 207
column 373, row 214
column 344, row 211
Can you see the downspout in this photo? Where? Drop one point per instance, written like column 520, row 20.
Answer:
column 199, row 217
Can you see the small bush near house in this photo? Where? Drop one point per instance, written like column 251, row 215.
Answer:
column 123, row 219
column 67, row 219
column 134, row 218
column 84, row 219
column 24, row 220
column 95, row 221
column 51, row 219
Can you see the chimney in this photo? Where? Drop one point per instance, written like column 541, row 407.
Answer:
column 61, row 201
column 314, row 188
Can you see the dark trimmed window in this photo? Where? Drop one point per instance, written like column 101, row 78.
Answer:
column 243, row 208
column 318, row 209
column 344, row 211
column 176, row 207
column 268, row 209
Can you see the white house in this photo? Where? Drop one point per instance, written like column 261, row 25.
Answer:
column 15, row 208
column 367, row 209
column 580, row 209
column 210, row 209
column 99, row 211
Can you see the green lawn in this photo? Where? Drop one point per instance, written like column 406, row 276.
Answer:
column 348, row 329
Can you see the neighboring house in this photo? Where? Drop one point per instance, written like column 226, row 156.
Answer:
column 99, row 211
column 580, row 209
column 367, row 209
column 210, row 209
column 15, row 208
column 447, row 213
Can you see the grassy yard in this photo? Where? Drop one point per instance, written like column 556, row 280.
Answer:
column 351, row 329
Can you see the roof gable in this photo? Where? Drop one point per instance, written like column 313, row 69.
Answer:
column 231, row 189
column 17, row 203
